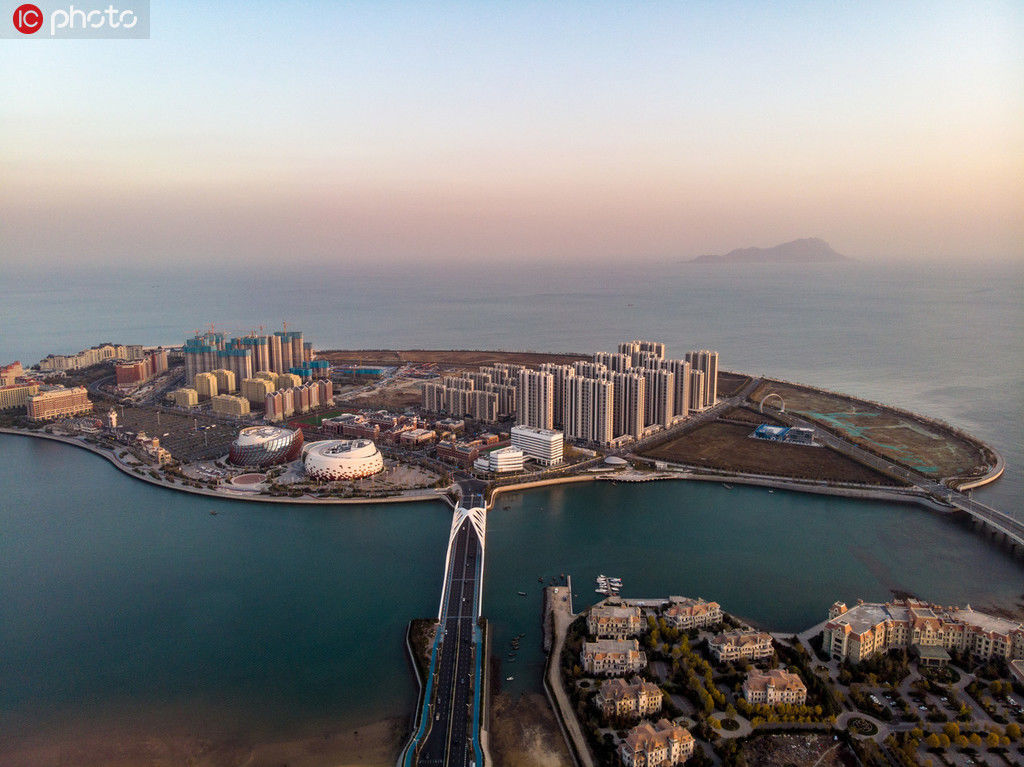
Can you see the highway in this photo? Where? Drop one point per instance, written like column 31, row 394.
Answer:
column 449, row 737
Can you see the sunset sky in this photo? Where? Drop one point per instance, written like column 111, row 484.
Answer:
column 398, row 132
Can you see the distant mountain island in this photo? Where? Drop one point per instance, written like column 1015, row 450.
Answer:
column 810, row 250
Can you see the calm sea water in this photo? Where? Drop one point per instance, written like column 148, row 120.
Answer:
column 118, row 594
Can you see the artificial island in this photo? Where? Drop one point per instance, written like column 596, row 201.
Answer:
column 633, row 681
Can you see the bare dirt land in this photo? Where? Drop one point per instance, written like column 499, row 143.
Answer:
column 729, row 446
column 797, row 750
column 170, row 743
column 449, row 358
column 926, row 447
column 524, row 733
column 730, row 383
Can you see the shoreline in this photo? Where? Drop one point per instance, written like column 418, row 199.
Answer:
column 237, row 495
column 865, row 492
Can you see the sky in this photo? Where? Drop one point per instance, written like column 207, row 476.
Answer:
column 500, row 132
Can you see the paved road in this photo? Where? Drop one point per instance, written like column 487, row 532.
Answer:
column 449, row 739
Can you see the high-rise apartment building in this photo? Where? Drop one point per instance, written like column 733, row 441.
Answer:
column 185, row 397
column 590, row 409
column 660, row 397
column 697, row 390
column 561, row 375
column 636, row 350
column 227, row 381
column 229, row 404
column 681, row 369
column 14, row 396
column 536, row 400
column 206, row 386
column 706, row 361
column 617, row 363
column 630, row 404
column 256, row 390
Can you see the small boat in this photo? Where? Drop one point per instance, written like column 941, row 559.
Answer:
column 521, row 593
column 509, row 678
column 771, row 491
column 727, row 487
column 540, row 579
column 213, row 512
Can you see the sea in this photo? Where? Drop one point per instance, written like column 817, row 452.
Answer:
column 120, row 599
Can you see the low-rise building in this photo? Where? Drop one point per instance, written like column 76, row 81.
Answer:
column 615, row 620
column 185, row 397
column 685, row 613
column 463, row 453
column 637, row 698
column 613, row 657
column 774, row 687
column 15, row 396
column 741, row 645
column 229, row 404
column 658, row 745
column 58, row 403
column 868, row 628
column 501, row 461
column 417, row 437
column 545, row 446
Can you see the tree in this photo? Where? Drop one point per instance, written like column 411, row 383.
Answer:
column 952, row 729
column 1013, row 731
column 932, row 741
column 992, row 741
column 976, row 740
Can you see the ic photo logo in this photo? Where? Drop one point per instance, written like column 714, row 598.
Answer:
column 100, row 19
column 28, row 18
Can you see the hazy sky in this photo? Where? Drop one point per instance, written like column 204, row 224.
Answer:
column 507, row 130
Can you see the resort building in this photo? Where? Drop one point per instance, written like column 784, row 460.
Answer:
column 501, row 461
column 618, row 699
column 613, row 657
column 542, row 445
column 741, row 645
column 185, row 397
column 774, row 687
column 685, row 613
column 9, row 374
column 536, row 399
column 16, row 395
column 658, row 745
column 615, row 620
column 89, row 357
column 928, row 630
column 58, row 403
column 230, row 404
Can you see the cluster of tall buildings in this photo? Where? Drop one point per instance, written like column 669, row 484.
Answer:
column 281, row 352
column 285, row 402
column 139, row 371
column 92, row 356
column 281, row 395
column 610, row 398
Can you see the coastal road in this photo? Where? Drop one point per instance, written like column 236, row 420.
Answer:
column 451, row 737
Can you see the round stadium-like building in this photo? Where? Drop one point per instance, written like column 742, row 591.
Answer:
column 265, row 446
column 334, row 459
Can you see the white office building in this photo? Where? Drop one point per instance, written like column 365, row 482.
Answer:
column 501, row 461
column 545, row 446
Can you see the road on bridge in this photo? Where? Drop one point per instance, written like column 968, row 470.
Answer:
column 449, row 740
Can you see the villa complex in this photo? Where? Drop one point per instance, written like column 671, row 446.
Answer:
column 615, row 620
column 656, row 745
column 741, row 645
column 774, row 687
column 613, row 657
column 637, row 698
column 930, row 630
column 685, row 613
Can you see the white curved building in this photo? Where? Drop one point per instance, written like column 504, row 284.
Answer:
column 334, row 459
